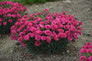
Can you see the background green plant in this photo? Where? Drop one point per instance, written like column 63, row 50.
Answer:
column 23, row 2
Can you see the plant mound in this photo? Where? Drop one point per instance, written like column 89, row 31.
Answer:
column 86, row 52
column 10, row 12
column 45, row 31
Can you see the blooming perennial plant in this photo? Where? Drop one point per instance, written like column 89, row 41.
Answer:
column 46, row 31
column 86, row 52
column 10, row 12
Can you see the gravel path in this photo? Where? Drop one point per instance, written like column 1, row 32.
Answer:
column 80, row 9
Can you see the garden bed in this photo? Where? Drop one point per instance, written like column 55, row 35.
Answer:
column 81, row 9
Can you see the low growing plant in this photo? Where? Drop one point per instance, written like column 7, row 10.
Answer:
column 86, row 52
column 10, row 12
column 46, row 32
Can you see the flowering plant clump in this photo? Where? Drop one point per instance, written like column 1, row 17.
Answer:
column 9, row 13
column 86, row 52
column 46, row 31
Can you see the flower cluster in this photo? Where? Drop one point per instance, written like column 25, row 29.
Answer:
column 10, row 12
column 45, row 27
column 86, row 52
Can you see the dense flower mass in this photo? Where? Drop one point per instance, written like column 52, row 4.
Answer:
column 86, row 52
column 45, row 27
column 9, row 13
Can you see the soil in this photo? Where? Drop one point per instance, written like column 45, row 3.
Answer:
column 80, row 9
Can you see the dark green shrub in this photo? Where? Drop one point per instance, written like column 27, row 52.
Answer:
column 51, row 0
column 23, row 2
column 41, row 1
column 30, row 1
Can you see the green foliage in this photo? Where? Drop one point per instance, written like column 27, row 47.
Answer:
column 23, row 2
column 53, row 47
column 2, row 0
column 35, row 1
column 4, row 29
column 41, row 1
column 30, row 1
column 50, row 0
